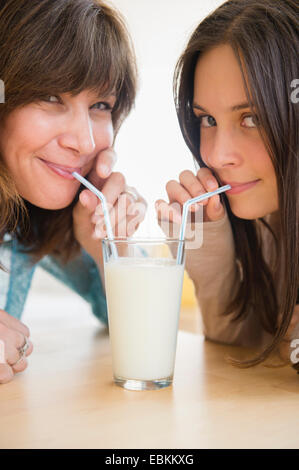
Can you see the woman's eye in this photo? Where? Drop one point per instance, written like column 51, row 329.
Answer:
column 251, row 121
column 207, row 121
column 103, row 106
column 52, row 99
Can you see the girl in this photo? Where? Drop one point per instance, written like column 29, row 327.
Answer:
column 69, row 75
column 238, row 112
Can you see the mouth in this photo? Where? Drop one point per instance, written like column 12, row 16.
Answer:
column 61, row 170
column 237, row 188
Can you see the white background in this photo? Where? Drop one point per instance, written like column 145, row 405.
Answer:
column 150, row 148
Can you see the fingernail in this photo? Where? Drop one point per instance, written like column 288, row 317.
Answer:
column 105, row 170
column 84, row 200
column 98, row 233
column 177, row 218
column 98, row 210
column 96, row 219
column 211, row 184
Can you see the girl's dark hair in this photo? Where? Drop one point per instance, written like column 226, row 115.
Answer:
column 264, row 37
column 50, row 47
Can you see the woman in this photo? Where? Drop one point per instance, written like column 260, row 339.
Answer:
column 70, row 79
column 238, row 113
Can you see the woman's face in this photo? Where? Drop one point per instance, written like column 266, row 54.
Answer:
column 66, row 131
column 230, row 142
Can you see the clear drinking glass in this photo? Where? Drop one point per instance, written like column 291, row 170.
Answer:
column 143, row 288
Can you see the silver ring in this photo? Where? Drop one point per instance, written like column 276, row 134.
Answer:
column 131, row 192
column 22, row 351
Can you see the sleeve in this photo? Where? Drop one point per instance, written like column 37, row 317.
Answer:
column 82, row 276
column 216, row 276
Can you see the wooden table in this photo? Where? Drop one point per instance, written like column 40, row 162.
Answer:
column 66, row 397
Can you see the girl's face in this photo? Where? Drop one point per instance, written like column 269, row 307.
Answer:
column 43, row 142
column 230, row 142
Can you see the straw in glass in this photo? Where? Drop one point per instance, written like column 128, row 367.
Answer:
column 102, row 198
column 185, row 213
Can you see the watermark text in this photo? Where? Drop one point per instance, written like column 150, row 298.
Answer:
column 2, row 92
column 295, row 93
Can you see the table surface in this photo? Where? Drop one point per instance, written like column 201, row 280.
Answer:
column 66, row 397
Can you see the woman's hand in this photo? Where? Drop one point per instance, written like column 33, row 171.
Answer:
column 126, row 212
column 188, row 187
column 12, row 338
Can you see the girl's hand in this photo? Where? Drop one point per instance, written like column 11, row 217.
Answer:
column 126, row 213
column 12, row 338
column 190, row 186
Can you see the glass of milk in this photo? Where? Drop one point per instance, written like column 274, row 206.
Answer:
column 143, row 289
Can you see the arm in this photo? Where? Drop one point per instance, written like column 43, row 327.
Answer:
column 216, row 277
column 83, row 276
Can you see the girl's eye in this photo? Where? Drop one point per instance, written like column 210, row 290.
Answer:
column 206, row 121
column 102, row 106
column 251, row 121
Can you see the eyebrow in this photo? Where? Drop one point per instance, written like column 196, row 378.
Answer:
column 236, row 107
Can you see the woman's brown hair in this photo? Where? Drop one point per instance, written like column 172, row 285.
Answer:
column 50, row 47
column 264, row 37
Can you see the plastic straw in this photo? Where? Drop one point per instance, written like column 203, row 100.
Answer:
column 185, row 213
column 102, row 198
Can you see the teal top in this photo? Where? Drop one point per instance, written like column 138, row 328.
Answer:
column 80, row 274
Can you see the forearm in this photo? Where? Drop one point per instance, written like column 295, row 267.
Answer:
column 216, row 276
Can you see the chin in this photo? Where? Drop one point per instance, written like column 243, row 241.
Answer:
column 57, row 205
column 247, row 213
column 51, row 205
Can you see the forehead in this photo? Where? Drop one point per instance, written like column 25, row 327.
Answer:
column 218, row 81
column 91, row 93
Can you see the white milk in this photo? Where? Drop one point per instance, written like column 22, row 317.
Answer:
column 144, row 297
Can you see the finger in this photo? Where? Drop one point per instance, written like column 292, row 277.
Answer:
column 88, row 201
column 123, row 201
column 191, row 183
column 13, row 341
column 214, row 209
column 112, row 189
column 207, row 179
column 30, row 349
column 6, row 373
column 20, row 366
column 118, row 216
column 136, row 214
column 14, row 323
column 167, row 212
column 100, row 230
column 13, row 354
column 102, row 168
column 168, row 218
column 125, row 217
column 177, row 193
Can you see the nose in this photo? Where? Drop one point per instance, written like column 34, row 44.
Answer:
column 79, row 134
column 224, row 150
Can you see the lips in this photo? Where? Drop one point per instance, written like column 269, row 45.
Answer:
column 237, row 188
column 61, row 170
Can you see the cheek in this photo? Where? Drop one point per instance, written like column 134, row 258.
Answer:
column 103, row 134
column 24, row 133
column 205, row 148
column 260, row 161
